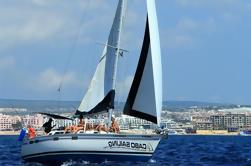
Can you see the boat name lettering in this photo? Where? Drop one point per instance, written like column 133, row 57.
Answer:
column 127, row 144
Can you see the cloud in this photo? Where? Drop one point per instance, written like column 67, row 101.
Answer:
column 42, row 84
column 28, row 27
column 50, row 79
column 214, row 17
column 41, row 2
column 55, row 21
column 6, row 63
column 33, row 23
column 187, row 32
column 175, row 40
column 191, row 24
column 123, row 87
column 86, row 4
column 91, row 5
column 229, row 17
column 31, row 31
column 187, row 23
column 219, row 5
column 50, row 20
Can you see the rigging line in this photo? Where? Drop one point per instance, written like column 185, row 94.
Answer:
column 73, row 47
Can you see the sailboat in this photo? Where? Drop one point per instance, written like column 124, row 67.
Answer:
column 144, row 101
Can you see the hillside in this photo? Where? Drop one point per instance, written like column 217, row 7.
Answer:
column 70, row 106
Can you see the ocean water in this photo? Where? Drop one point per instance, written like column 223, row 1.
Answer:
column 176, row 150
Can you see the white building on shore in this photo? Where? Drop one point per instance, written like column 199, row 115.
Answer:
column 7, row 121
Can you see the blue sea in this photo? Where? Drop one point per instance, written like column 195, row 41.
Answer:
column 176, row 150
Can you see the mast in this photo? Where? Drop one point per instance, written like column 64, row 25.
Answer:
column 120, row 14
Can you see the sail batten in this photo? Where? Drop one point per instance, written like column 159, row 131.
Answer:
column 145, row 96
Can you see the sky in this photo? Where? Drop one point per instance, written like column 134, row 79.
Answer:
column 205, row 45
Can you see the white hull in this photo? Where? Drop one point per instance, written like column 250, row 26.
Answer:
column 90, row 147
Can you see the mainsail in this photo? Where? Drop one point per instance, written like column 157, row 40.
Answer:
column 145, row 97
column 101, row 92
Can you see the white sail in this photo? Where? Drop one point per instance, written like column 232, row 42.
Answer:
column 100, row 94
column 145, row 96
column 96, row 90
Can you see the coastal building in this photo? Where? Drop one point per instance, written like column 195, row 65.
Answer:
column 248, row 122
column 7, row 121
column 222, row 121
column 128, row 122
column 202, row 122
column 200, row 119
column 36, row 121
column 225, row 121
column 203, row 125
column 237, row 110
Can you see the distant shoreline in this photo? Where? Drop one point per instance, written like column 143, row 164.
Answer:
column 9, row 132
column 205, row 133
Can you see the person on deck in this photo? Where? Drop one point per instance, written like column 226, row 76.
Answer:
column 101, row 127
column 69, row 129
column 48, row 126
column 81, row 124
column 76, row 128
column 31, row 132
column 113, row 128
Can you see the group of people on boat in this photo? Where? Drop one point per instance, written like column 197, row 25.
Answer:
column 113, row 128
column 87, row 126
column 82, row 125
